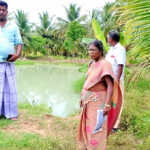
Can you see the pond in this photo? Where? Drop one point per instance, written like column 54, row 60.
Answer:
column 50, row 85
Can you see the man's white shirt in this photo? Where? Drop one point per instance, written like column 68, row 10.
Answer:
column 117, row 56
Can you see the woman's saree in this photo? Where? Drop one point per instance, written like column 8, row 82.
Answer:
column 93, row 98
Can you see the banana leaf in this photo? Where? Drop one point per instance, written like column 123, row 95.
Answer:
column 98, row 33
column 87, row 40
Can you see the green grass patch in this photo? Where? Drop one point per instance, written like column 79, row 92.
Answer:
column 24, row 62
column 145, row 145
column 35, row 109
column 5, row 122
column 143, row 84
column 27, row 141
column 78, row 84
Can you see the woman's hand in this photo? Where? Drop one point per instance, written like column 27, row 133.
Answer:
column 109, row 94
column 107, row 109
column 81, row 104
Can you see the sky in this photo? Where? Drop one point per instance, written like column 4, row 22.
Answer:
column 54, row 7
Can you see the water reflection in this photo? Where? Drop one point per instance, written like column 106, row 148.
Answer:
column 51, row 85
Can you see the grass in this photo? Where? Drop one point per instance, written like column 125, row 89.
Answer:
column 26, row 62
column 77, row 85
column 36, row 129
column 37, row 110
column 59, row 60
column 4, row 123
column 28, row 141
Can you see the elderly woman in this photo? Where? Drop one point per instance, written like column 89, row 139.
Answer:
column 101, row 101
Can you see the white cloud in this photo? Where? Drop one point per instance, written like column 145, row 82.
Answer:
column 54, row 7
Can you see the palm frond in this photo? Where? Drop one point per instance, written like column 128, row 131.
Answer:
column 135, row 17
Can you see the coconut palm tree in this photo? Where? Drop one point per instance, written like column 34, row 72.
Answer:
column 46, row 24
column 46, row 29
column 24, row 27
column 107, row 18
column 135, row 19
column 72, row 14
column 22, row 22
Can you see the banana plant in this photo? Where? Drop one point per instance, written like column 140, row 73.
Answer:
column 99, row 33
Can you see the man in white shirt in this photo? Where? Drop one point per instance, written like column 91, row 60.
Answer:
column 117, row 57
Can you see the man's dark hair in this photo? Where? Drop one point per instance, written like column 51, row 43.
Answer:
column 3, row 3
column 114, row 35
column 99, row 45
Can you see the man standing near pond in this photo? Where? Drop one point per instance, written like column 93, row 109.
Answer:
column 117, row 57
column 10, row 39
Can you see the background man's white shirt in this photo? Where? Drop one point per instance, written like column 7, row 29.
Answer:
column 117, row 56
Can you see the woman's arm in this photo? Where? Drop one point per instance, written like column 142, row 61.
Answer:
column 109, row 94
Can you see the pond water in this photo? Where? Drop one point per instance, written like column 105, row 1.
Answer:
column 50, row 85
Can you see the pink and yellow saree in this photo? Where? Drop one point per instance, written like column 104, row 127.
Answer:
column 93, row 98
